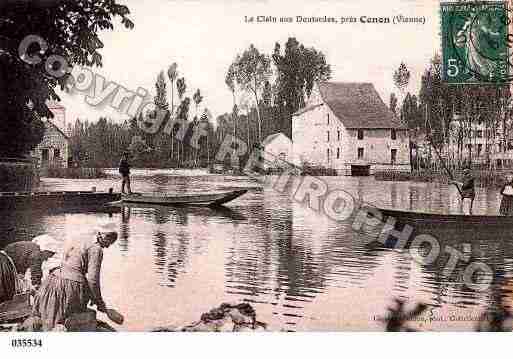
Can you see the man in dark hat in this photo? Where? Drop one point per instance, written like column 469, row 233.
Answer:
column 124, row 169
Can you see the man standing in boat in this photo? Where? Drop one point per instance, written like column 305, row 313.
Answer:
column 124, row 169
column 467, row 191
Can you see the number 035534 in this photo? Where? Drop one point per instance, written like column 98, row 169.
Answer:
column 26, row 343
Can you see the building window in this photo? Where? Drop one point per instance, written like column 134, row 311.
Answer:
column 338, row 135
column 328, row 118
column 338, row 153
column 360, row 153
column 45, row 155
column 479, row 134
column 393, row 155
column 56, row 153
column 328, row 133
column 328, row 154
column 479, row 149
column 393, row 134
column 360, row 134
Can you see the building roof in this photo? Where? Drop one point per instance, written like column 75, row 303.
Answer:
column 272, row 137
column 358, row 105
column 57, row 128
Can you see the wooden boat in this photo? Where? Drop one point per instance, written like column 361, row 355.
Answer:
column 177, row 199
column 447, row 220
column 56, row 199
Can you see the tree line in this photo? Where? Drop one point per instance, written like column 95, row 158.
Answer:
column 453, row 118
column 266, row 91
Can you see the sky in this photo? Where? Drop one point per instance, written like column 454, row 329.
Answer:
column 203, row 38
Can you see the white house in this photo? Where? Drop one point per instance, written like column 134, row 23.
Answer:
column 277, row 151
column 347, row 127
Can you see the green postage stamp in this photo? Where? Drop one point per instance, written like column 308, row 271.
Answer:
column 475, row 42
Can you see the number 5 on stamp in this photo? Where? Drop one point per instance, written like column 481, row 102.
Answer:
column 475, row 42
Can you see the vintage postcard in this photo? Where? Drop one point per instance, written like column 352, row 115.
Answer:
column 255, row 166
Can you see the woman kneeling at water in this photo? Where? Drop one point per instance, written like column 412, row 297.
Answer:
column 68, row 289
column 17, row 258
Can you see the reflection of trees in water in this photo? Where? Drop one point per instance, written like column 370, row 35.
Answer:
column 444, row 288
column 300, row 251
column 22, row 225
column 170, row 246
column 402, row 274
column 160, row 247
column 248, row 266
column 25, row 224
column 124, row 229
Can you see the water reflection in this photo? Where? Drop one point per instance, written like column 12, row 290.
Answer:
column 301, row 270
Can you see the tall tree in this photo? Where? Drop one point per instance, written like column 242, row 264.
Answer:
column 71, row 30
column 402, row 77
column 393, row 103
column 230, row 82
column 197, row 99
column 161, row 97
column 253, row 70
column 172, row 73
column 182, row 112
column 297, row 70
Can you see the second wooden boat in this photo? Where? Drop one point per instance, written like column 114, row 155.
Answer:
column 176, row 199
column 444, row 220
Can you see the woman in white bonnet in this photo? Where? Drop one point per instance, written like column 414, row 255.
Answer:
column 30, row 255
column 68, row 289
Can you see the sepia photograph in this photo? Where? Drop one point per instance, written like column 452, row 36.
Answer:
column 254, row 166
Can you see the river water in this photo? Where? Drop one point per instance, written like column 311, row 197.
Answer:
column 300, row 270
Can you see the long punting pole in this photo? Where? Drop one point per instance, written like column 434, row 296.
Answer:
column 442, row 161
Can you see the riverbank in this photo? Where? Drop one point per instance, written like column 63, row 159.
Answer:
column 227, row 317
column 75, row 173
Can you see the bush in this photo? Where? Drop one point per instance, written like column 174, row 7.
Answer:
column 17, row 176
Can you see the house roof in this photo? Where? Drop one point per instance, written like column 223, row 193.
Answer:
column 271, row 138
column 307, row 108
column 58, row 129
column 358, row 105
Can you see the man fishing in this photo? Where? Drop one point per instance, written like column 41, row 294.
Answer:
column 124, row 169
column 466, row 190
